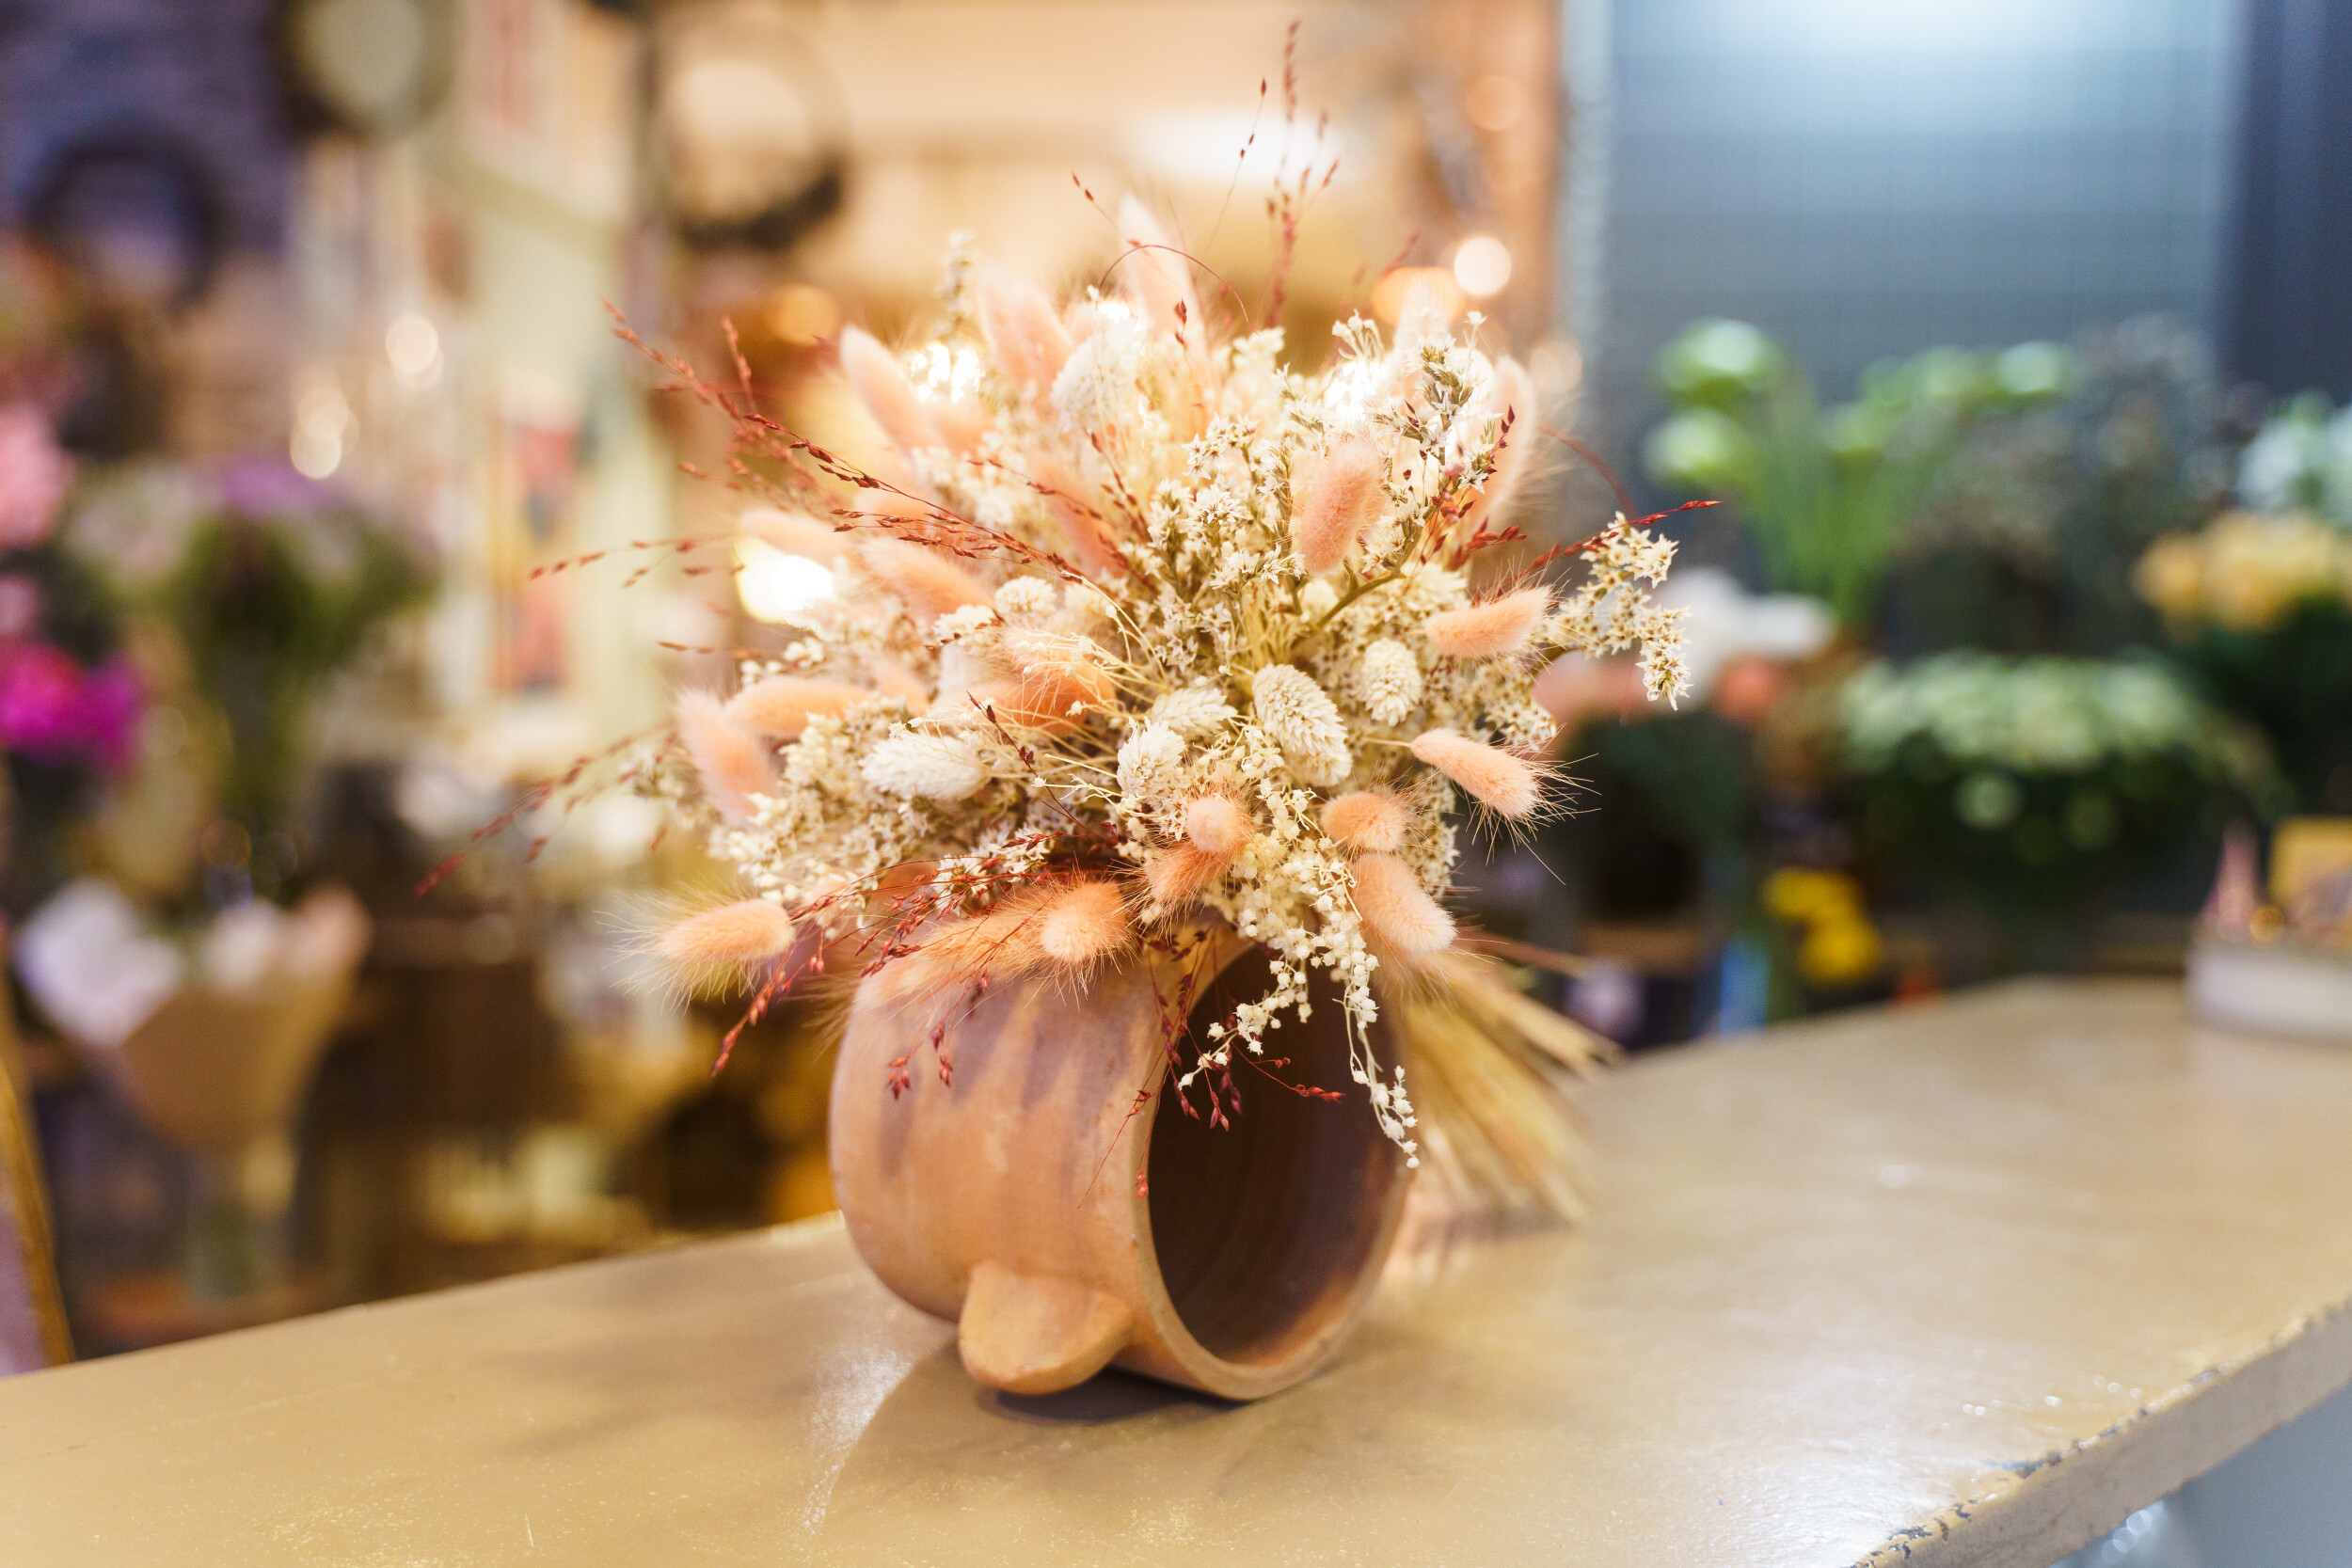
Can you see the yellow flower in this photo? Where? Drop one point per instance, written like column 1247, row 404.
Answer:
column 1797, row 895
column 1840, row 951
column 2171, row 577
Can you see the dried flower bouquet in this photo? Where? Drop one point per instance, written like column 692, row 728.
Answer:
column 1125, row 631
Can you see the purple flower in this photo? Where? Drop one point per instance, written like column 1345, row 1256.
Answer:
column 263, row 487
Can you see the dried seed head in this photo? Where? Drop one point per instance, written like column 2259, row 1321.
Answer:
column 735, row 765
column 1215, row 826
column 1493, row 776
column 1366, row 819
column 1339, row 504
column 934, row 767
column 780, row 706
column 1025, row 335
column 882, row 390
column 1398, row 915
column 750, row 931
column 925, row 581
column 1494, row 629
column 1300, row 718
column 1512, row 394
column 1085, row 924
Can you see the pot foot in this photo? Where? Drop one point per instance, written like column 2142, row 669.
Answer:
column 1031, row 1334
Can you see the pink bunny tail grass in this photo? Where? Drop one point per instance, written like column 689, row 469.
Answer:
column 781, row 706
column 885, row 393
column 1402, row 920
column 894, row 679
column 1024, row 333
column 1514, row 394
column 793, row 533
column 1179, row 874
column 1217, row 825
column 1056, row 681
column 1495, row 629
column 1002, row 944
column 1338, row 504
column 1081, row 523
column 961, row 425
column 750, row 931
column 1160, row 279
column 735, row 765
column 1372, row 820
column 925, row 581
column 1085, row 924
column 1507, row 784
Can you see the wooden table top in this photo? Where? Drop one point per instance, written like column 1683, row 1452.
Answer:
column 1960, row 1284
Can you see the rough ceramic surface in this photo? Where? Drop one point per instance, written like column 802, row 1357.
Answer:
column 1960, row 1285
column 1009, row 1193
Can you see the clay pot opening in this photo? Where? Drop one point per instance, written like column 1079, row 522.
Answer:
column 1264, row 1229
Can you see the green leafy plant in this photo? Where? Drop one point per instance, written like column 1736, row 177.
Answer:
column 1829, row 492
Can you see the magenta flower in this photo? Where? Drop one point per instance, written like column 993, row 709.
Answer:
column 54, row 711
column 34, row 474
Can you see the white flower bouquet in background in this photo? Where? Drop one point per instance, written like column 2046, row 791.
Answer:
column 1123, row 630
column 2028, row 784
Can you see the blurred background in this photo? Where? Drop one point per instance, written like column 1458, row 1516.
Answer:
column 2012, row 333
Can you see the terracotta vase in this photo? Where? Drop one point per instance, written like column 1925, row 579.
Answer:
column 1051, row 1200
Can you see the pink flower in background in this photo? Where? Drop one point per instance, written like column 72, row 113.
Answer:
column 20, row 605
column 34, row 474
column 54, row 711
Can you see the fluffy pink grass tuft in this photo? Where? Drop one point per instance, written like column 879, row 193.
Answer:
column 997, row 945
column 894, row 679
column 885, row 393
column 1338, row 504
column 1023, row 332
column 1398, row 916
column 1491, row 630
column 1513, row 393
column 750, row 931
column 735, row 765
column 1160, row 279
column 781, row 705
column 1057, row 682
column 1366, row 819
column 1179, row 874
column 1085, row 924
column 927, row 582
column 1084, row 528
column 961, row 425
column 793, row 533
column 1217, row 825
column 1506, row 784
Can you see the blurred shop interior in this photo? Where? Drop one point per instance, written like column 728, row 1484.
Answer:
column 309, row 366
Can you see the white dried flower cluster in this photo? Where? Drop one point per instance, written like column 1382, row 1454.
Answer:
column 1121, row 627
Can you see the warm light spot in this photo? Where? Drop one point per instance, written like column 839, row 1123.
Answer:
column 1495, row 103
column 1437, row 290
column 801, row 314
column 414, row 348
column 315, row 453
column 777, row 588
column 1481, row 266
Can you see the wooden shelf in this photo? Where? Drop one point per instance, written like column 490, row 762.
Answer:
column 1961, row 1284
